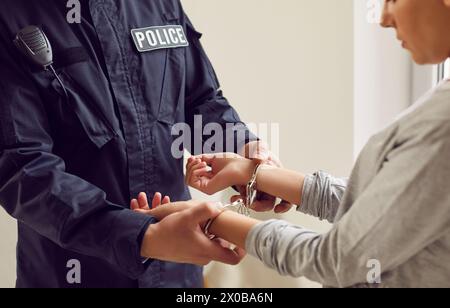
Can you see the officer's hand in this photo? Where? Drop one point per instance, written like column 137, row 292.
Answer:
column 259, row 151
column 179, row 238
column 163, row 208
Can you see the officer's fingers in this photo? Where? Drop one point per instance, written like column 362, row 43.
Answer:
column 260, row 156
column 195, row 166
column 215, row 183
column 242, row 189
column 235, row 198
column 271, row 163
column 166, row 200
column 202, row 212
column 165, row 210
column 264, row 203
column 261, row 196
column 202, row 172
column 208, row 158
column 283, row 207
column 222, row 242
column 227, row 155
column 216, row 252
column 162, row 211
column 187, row 177
column 191, row 180
column 190, row 159
column 199, row 165
column 275, row 161
column 257, row 150
column 145, row 212
column 239, row 251
column 262, row 206
column 189, row 167
column 134, row 205
column 193, row 162
column 199, row 179
column 156, row 200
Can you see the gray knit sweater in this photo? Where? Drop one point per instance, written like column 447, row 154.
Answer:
column 391, row 218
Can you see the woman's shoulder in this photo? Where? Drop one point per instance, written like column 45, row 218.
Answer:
column 432, row 109
column 428, row 121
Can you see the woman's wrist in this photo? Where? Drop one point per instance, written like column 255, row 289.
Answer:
column 245, row 170
column 263, row 171
column 281, row 183
column 233, row 227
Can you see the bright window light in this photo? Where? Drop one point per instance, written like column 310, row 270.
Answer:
column 447, row 69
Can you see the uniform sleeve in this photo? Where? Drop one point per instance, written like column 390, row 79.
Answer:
column 403, row 211
column 322, row 194
column 36, row 189
column 204, row 98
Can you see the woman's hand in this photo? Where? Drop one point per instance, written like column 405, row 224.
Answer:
column 216, row 172
column 161, row 207
column 141, row 203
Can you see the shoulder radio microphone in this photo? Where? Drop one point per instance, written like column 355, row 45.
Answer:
column 35, row 46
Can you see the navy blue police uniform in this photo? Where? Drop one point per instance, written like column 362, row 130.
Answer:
column 69, row 165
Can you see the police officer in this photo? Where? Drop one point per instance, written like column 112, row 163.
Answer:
column 73, row 153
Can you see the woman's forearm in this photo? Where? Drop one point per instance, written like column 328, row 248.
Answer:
column 233, row 227
column 278, row 182
column 282, row 183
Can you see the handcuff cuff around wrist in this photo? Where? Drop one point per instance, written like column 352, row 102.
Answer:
column 240, row 206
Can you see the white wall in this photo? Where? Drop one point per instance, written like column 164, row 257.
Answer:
column 8, row 238
column 447, row 69
column 386, row 81
column 289, row 62
column 382, row 77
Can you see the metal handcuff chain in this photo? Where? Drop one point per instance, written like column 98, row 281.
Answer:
column 240, row 206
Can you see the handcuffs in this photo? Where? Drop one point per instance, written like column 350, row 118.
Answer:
column 240, row 206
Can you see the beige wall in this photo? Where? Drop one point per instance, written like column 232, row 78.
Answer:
column 289, row 62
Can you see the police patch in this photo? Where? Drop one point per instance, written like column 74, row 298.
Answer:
column 160, row 37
